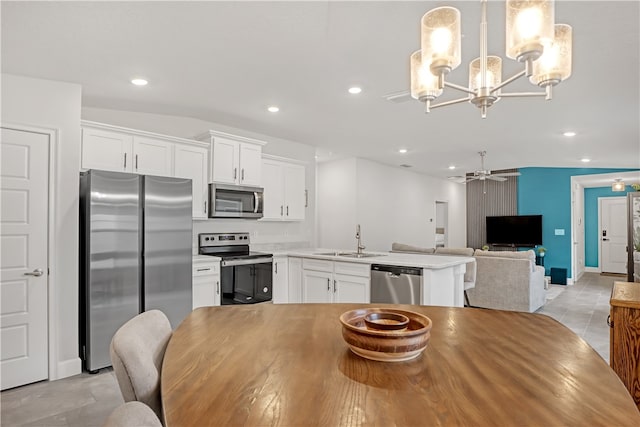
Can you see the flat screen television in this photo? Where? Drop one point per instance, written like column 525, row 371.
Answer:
column 517, row 230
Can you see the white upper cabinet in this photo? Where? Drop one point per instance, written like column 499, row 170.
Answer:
column 119, row 149
column 284, row 189
column 152, row 156
column 191, row 162
column 234, row 159
column 106, row 150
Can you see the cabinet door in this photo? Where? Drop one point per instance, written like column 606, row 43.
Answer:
column 316, row 286
column 294, row 187
column 111, row 151
column 295, row 280
column 351, row 289
column 191, row 162
column 280, row 282
column 226, row 161
column 273, row 190
column 250, row 164
column 203, row 291
column 152, row 156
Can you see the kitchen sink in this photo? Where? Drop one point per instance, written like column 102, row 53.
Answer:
column 347, row 254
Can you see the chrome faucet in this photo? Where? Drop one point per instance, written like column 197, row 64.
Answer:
column 360, row 246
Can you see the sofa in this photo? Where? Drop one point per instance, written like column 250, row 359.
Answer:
column 503, row 280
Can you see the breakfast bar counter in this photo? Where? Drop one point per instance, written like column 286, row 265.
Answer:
column 288, row 365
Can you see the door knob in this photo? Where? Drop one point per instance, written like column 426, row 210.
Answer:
column 37, row 272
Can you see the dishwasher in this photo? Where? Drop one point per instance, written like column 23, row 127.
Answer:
column 396, row 285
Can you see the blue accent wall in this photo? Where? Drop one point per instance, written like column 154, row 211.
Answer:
column 547, row 192
column 591, row 237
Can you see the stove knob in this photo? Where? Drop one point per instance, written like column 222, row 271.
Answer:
column 206, row 238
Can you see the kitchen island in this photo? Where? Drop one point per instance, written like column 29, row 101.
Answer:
column 442, row 276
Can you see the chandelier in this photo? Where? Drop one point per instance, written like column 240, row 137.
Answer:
column 531, row 38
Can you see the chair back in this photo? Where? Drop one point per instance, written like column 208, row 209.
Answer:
column 132, row 414
column 137, row 350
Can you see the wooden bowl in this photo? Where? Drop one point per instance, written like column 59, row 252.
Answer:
column 385, row 345
column 386, row 321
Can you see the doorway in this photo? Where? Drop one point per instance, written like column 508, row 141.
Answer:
column 442, row 219
column 612, row 228
column 24, row 195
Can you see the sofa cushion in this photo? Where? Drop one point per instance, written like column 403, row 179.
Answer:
column 401, row 247
column 529, row 255
column 455, row 251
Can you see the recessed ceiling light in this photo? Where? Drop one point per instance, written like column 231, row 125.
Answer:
column 585, row 160
column 354, row 90
column 139, row 82
column 569, row 133
column 402, row 150
column 273, row 109
column 452, row 167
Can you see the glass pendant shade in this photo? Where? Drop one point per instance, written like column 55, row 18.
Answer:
column 529, row 28
column 441, row 39
column 493, row 77
column 618, row 185
column 424, row 85
column 554, row 65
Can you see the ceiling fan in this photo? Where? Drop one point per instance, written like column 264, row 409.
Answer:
column 483, row 174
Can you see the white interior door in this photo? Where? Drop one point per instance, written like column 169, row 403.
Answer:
column 23, row 274
column 613, row 234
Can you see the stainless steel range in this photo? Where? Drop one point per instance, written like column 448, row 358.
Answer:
column 245, row 276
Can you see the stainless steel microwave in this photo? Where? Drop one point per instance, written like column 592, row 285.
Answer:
column 235, row 201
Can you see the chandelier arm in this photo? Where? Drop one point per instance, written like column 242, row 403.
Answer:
column 509, row 80
column 453, row 101
column 522, row 94
column 460, row 88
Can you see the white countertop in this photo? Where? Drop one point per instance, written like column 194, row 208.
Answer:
column 205, row 258
column 386, row 258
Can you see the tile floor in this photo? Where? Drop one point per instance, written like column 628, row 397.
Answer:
column 86, row 400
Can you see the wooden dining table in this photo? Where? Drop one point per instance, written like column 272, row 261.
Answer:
column 288, row 365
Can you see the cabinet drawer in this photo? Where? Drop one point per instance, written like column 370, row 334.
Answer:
column 206, row 269
column 353, row 269
column 317, row 264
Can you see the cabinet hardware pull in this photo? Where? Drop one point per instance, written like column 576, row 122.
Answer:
column 609, row 322
column 287, row 210
column 276, row 264
column 306, row 198
column 328, row 284
column 242, row 174
column 125, row 160
column 205, row 206
column 136, row 162
column 203, row 269
column 218, row 287
column 335, row 286
column 235, row 173
column 281, row 210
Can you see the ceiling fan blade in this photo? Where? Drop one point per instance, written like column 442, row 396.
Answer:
column 496, row 178
column 506, row 174
column 398, row 97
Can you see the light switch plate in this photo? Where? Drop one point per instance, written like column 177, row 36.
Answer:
column 559, row 231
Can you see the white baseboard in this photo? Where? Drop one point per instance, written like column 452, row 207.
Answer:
column 68, row 368
column 592, row 270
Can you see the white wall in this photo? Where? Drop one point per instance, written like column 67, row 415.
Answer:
column 56, row 105
column 337, row 203
column 264, row 235
column 391, row 205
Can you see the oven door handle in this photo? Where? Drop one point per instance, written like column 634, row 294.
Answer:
column 235, row 262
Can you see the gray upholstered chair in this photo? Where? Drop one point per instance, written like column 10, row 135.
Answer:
column 132, row 414
column 137, row 350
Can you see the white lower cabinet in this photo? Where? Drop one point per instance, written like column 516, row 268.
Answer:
column 206, row 283
column 295, row 280
column 328, row 281
column 280, row 280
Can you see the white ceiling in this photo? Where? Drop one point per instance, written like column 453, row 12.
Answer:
column 225, row 62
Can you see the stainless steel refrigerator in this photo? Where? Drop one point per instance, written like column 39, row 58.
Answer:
column 135, row 254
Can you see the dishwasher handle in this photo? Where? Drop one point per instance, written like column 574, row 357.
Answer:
column 396, row 269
